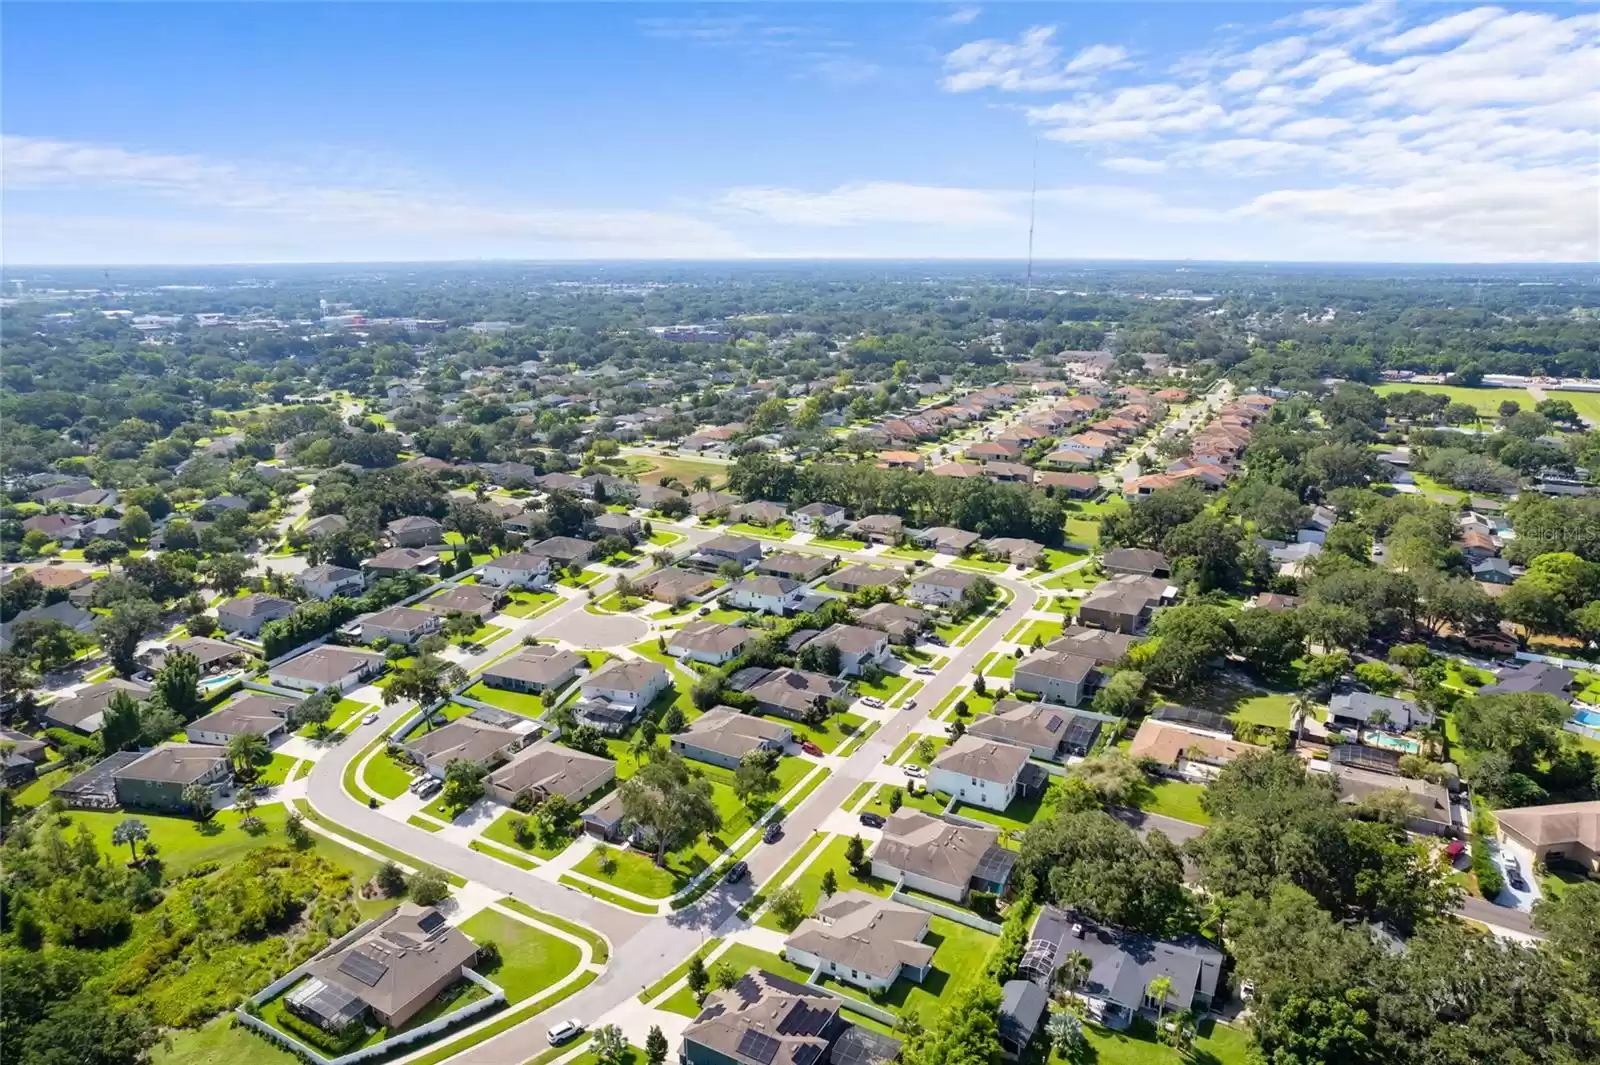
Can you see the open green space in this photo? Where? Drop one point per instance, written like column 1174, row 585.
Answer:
column 1240, row 704
column 387, row 777
column 796, row 860
column 1587, row 404
column 525, row 704
column 597, row 945
column 650, row 469
column 1486, row 401
column 829, row 734
column 780, row 531
column 884, row 688
column 501, row 832
column 981, row 565
column 528, row 604
column 310, row 814
column 914, row 554
column 928, row 802
column 530, row 959
column 1177, row 798
column 1080, row 579
column 809, row 882
column 501, row 856
column 219, row 1042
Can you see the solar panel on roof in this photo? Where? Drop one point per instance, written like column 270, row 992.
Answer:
column 1053, row 725
column 1189, row 715
column 758, row 1046
column 430, row 920
column 363, row 967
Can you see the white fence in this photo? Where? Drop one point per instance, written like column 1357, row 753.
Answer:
column 939, row 909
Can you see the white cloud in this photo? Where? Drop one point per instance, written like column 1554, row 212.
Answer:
column 866, row 203
column 1030, row 64
column 962, row 16
column 250, row 196
column 1450, row 28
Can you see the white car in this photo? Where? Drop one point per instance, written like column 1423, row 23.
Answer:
column 370, row 719
column 912, row 769
column 565, row 1032
column 926, row 671
column 872, row 701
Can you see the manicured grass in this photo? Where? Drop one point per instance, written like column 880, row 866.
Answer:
column 1043, row 631
column 607, row 896
column 1074, row 580
column 500, row 832
column 220, row 1043
column 795, row 861
column 860, row 738
column 483, row 634
column 981, row 565
column 1217, row 1044
column 501, row 856
column 507, row 1020
column 528, row 604
column 423, row 823
column 275, row 772
column 958, row 956
column 343, row 711
column 1272, row 709
column 838, row 545
column 929, row 803
column 679, row 972
column 857, row 795
column 184, row 843
column 394, row 855
column 832, row 732
column 1587, row 404
column 664, row 538
column 385, row 777
column 1486, row 401
column 38, row 789
column 781, row 531
column 809, row 882
column 516, row 702
column 597, row 945
column 1004, row 666
column 915, row 554
column 1177, row 798
column 530, row 960
column 741, row 957
column 886, row 686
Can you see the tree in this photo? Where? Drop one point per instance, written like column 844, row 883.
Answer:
column 1212, row 551
column 131, row 831
column 830, row 884
column 226, row 573
column 294, row 827
column 754, row 780
column 1158, row 990
column 926, row 750
column 855, row 853
column 248, row 752
column 201, row 625
column 1090, row 861
column 390, row 880
column 463, row 782
column 459, row 624
column 788, row 905
column 896, row 800
column 315, row 712
column 136, row 525
column 122, row 724
column 197, row 797
column 177, row 685
column 671, row 803
column 47, row 643
column 87, row 1029
column 1116, row 779
column 674, row 720
column 428, row 680
column 104, row 552
column 1269, row 640
column 609, row 1046
column 120, row 632
column 1332, row 626
column 655, row 1046
column 1192, row 639
column 697, row 978
column 428, row 886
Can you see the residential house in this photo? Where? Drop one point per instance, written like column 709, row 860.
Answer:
column 327, row 666
column 544, row 769
column 326, row 581
column 1357, row 709
column 83, row 710
column 759, row 512
column 721, row 550
column 1561, row 833
column 157, row 779
column 1045, row 730
column 254, row 714
column 795, row 694
column 858, row 647
column 1493, row 571
column 941, row 858
column 1533, row 677
column 525, row 524
column 794, row 565
column 20, row 763
column 1125, row 603
column 524, row 569
column 779, row 1022
column 414, row 531
column 879, row 529
column 1057, row 677
column 941, row 586
column 211, row 655
column 981, row 772
column 1315, row 529
column 399, row 624
column 768, row 595
column 1430, row 803
column 947, row 541
column 74, row 618
column 1022, row 1008
column 1073, row 485
column 397, row 560
column 1104, row 646
column 1275, row 602
column 1136, row 560
column 482, row 601
column 1123, row 965
column 862, row 940
column 75, row 582
column 566, row 550
column 388, row 976
column 900, row 460
column 820, row 519
column 611, row 523
column 534, row 669
column 994, row 451
column 901, row 623
column 709, row 642
column 1009, row 473
column 462, row 740
column 1183, row 752
column 1018, row 551
column 247, row 614
column 856, row 577
column 326, row 525
column 957, row 469
column 618, row 692
column 722, row 736
column 674, row 585
column 59, row 527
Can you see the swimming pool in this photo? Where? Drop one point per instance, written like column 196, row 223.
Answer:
column 1587, row 717
column 1392, row 742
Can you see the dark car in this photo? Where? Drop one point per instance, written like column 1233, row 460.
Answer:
column 1517, row 882
column 872, row 820
column 737, row 873
column 773, row 833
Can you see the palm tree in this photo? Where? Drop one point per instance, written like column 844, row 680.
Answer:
column 641, row 746
column 247, row 750
column 702, row 483
column 130, row 831
column 1159, row 989
column 1074, row 970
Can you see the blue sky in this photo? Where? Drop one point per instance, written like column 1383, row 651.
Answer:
column 301, row 132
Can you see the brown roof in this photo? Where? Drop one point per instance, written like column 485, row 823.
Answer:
column 539, row 664
column 867, row 934
column 59, row 576
column 947, row 853
column 1101, row 645
column 973, row 756
column 1567, row 822
column 727, row 731
column 1167, row 743
column 461, row 739
column 174, row 763
column 554, row 770
column 403, row 957
column 792, row 1018
column 710, row 637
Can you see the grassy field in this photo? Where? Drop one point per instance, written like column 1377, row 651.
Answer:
column 1239, row 704
column 1587, row 404
column 500, row 832
column 608, row 896
column 809, row 882
column 1177, row 798
column 515, row 702
column 526, row 604
column 654, row 467
column 832, row 732
column 530, row 960
column 1486, row 401
column 385, row 777
column 220, row 1043
column 1217, row 1044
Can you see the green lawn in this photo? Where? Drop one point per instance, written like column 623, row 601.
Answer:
column 838, row 545
column 928, row 802
column 1043, row 631
column 809, row 882
column 832, row 732
column 981, row 565
column 885, row 688
column 483, row 634
column 1218, row 1044
column 653, row 468
column 780, row 531
column 343, row 711
column 275, row 772
column 958, row 956
column 679, row 972
column 38, row 789
column 526, row 604
column 1486, row 401
column 914, row 554
column 500, row 832
column 220, row 1043
column 416, row 821
column 1177, row 798
column 1004, row 666
column 608, row 896
column 741, row 957
column 1587, row 404
column 530, row 959
column 1238, row 703
column 1074, row 580
column 385, row 777
column 515, row 702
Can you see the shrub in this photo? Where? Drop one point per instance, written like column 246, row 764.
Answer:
column 1490, row 880
column 428, row 887
column 341, row 1042
column 488, row 955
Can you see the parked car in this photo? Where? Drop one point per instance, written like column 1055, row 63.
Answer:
column 773, row 833
column 737, row 872
column 370, row 719
column 565, row 1032
column 910, row 704
column 872, row 820
column 810, row 748
column 937, row 641
column 926, row 671
column 872, row 701
column 1514, row 876
column 431, row 788
column 912, row 769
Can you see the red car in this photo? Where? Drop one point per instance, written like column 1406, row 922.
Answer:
column 810, row 748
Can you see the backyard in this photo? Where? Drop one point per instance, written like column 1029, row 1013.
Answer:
column 1177, row 798
column 832, row 732
column 959, row 954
